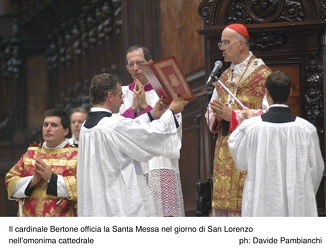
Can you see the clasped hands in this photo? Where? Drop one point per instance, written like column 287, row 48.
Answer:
column 41, row 171
column 223, row 112
column 139, row 98
column 220, row 110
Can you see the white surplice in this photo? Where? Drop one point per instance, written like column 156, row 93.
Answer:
column 110, row 181
column 162, row 173
column 284, row 166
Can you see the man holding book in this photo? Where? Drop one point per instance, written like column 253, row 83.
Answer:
column 162, row 173
column 110, row 180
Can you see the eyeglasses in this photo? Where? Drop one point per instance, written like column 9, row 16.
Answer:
column 223, row 44
column 121, row 95
column 132, row 64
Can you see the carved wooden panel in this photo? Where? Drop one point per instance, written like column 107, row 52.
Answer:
column 78, row 40
column 48, row 52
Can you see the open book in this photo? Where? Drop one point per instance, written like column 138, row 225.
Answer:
column 167, row 80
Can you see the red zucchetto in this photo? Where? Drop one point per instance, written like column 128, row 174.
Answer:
column 240, row 28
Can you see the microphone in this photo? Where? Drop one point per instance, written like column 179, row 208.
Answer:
column 217, row 66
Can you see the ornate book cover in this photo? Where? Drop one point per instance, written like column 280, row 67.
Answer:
column 167, row 79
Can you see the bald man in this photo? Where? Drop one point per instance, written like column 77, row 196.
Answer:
column 245, row 79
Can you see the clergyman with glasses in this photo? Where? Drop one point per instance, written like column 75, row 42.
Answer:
column 162, row 173
column 245, row 78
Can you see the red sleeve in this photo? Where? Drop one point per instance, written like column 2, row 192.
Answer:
column 233, row 121
column 216, row 126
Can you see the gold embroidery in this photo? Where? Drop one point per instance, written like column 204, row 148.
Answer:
column 227, row 180
column 61, row 161
column 233, row 85
column 174, row 80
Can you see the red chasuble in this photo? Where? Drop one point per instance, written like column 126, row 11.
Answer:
column 62, row 162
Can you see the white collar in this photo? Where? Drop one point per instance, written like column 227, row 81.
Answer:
column 240, row 67
column 96, row 109
column 61, row 145
column 74, row 139
column 279, row 105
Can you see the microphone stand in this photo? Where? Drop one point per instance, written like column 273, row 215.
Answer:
column 199, row 183
column 197, row 118
column 203, row 188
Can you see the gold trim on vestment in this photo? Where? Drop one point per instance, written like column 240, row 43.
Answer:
column 62, row 162
column 227, row 180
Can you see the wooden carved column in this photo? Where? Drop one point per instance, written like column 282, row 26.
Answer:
column 12, row 127
column 81, row 48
